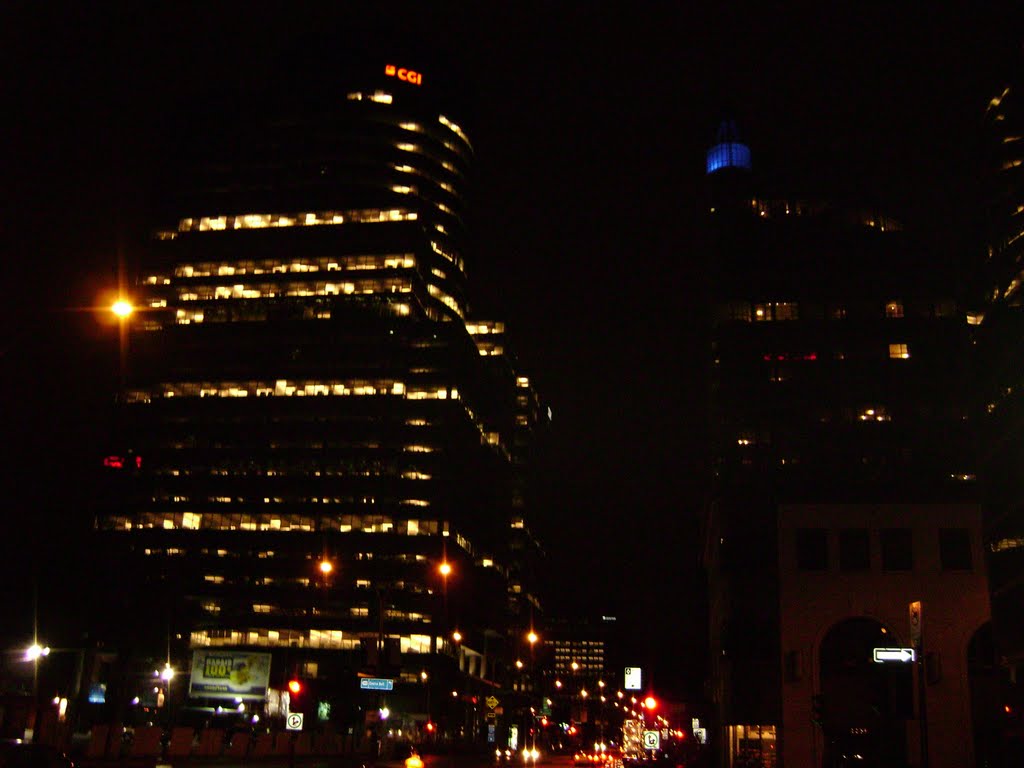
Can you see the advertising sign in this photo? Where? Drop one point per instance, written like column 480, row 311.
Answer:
column 220, row 674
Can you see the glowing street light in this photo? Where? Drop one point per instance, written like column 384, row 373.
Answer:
column 326, row 567
column 167, row 673
column 532, row 637
column 558, row 684
column 519, row 663
column 457, row 636
column 445, row 569
column 122, row 308
column 35, row 651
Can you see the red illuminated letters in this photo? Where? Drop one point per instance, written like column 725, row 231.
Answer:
column 405, row 75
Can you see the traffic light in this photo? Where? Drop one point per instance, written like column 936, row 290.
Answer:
column 817, row 709
column 295, row 687
column 650, row 703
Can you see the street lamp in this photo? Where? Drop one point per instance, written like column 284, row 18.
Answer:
column 167, row 674
column 35, row 651
column 122, row 308
column 326, row 567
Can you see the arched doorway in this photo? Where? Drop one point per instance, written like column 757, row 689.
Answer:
column 864, row 705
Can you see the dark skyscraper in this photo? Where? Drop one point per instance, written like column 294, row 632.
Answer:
column 313, row 422
column 844, row 479
column 1002, row 360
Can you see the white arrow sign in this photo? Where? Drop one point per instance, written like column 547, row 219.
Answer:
column 883, row 655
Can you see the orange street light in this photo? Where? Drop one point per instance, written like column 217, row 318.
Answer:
column 326, row 567
column 457, row 636
column 532, row 637
column 445, row 569
column 122, row 308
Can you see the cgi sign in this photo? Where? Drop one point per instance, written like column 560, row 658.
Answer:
column 405, row 75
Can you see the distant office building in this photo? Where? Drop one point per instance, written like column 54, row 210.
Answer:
column 842, row 433
column 313, row 420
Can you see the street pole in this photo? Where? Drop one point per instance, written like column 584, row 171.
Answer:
column 922, row 696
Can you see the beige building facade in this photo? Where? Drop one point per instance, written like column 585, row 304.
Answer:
column 846, row 567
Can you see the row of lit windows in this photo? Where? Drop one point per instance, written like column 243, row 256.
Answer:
column 745, row 311
column 898, row 351
column 321, row 500
column 275, row 290
column 277, row 266
column 484, row 327
column 356, row 611
column 451, row 257
column 303, row 445
column 767, row 208
column 383, row 97
column 331, row 639
column 268, row 522
column 445, row 299
column 258, row 312
column 406, row 168
column 285, row 388
column 319, row 218
column 1007, row 544
column 311, row 468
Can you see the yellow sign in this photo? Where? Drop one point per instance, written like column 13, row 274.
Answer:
column 403, row 74
column 491, row 702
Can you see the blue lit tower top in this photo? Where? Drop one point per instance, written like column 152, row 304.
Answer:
column 728, row 152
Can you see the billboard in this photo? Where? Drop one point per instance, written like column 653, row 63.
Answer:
column 231, row 675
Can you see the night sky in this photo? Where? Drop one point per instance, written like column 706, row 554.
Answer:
column 589, row 128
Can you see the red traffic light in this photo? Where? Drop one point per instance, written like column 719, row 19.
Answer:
column 650, row 703
column 430, row 727
column 294, row 686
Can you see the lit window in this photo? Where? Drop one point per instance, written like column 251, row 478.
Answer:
column 899, row 352
column 894, row 309
column 975, row 318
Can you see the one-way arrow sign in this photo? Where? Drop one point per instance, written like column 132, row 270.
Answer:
column 883, row 655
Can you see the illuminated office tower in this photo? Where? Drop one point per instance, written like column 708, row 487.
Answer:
column 844, row 481
column 313, row 422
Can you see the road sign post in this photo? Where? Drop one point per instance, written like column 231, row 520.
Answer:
column 294, row 722
column 915, row 613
